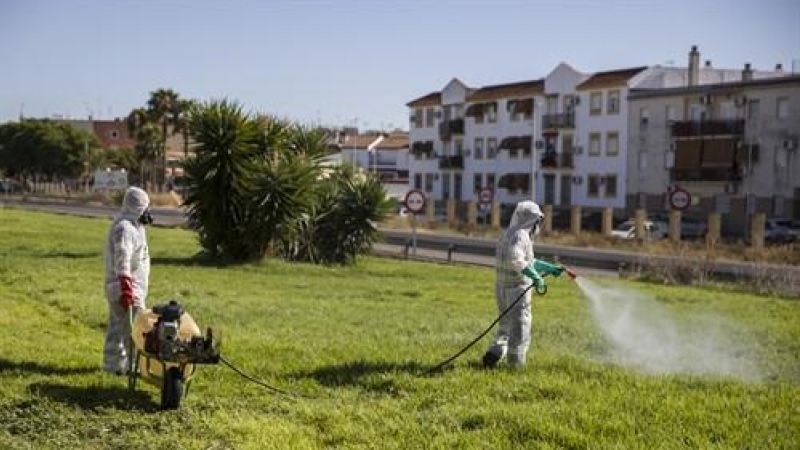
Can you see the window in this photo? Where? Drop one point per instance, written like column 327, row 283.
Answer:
column 445, row 186
column 596, row 103
column 490, row 180
column 114, row 135
column 613, row 102
column 478, row 149
column 430, row 114
column 611, row 185
column 594, row 144
column 417, row 181
column 753, row 107
column 458, row 147
column 491, row 112
column 670, row 113
column 593, row 186
column 612, row 143
column 429, row 183
column 644, row 116
column 491, row 148
column 417, row 119
column 477, row 183
column 782, row 105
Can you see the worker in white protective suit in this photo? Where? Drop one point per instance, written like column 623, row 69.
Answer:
column 127, row 272
column 516, row 268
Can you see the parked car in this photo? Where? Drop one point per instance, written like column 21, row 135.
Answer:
column 779, row 231
column 691, row 228
column 652, row 230
column 10, row 186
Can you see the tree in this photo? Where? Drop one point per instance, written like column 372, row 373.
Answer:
column 43, row 148
column 164, row 109
column 256, row 186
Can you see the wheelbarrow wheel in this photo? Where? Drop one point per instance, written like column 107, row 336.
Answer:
column 172, row 389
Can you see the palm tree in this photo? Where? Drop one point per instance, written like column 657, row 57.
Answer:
column 148, row 140
column 164, row 109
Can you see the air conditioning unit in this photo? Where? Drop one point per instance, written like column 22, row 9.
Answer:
column 576, row 100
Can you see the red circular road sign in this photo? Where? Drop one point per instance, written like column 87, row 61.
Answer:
column 486, row 195
column 680, row 199
column 415, row 201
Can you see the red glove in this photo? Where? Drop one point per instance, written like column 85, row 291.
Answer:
column 126, row 287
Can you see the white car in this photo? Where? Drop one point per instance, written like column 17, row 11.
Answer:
column 652, row 230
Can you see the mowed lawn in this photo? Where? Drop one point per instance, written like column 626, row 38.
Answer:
column 353, row 343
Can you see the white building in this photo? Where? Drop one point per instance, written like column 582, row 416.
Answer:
column 733, row 146
column 465, row 139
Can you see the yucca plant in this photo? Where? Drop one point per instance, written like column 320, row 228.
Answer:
column 257, row 186
column 342, row 223
column 221, row 177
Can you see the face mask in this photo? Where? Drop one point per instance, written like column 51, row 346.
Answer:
column 146, row 218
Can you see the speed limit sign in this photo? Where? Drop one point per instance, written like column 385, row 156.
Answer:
column 415, row 201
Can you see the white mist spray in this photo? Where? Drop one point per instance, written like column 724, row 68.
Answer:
column 643, row 334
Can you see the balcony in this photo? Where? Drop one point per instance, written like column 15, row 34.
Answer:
column 420, row 148
column 553, row 160
column 556, row 121
column 450, row 127
column 706, row 174
column 695, row 128
column 451, row 162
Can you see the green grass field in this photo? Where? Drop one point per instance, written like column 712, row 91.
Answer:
column 354, row 341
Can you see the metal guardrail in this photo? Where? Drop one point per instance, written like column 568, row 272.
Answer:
column 605, row 259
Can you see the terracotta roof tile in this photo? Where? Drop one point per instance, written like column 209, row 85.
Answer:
column 434, row 98
column 610, row 78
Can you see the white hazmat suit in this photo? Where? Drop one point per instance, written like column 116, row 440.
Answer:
column 127, row 262
column 514, row 253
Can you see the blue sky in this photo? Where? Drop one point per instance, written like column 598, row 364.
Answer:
column 345, row 62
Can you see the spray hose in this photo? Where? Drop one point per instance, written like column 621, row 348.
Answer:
column 540, row 291
column 259, row 382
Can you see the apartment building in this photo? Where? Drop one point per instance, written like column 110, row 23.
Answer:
column 732, row 145
column 572, row 132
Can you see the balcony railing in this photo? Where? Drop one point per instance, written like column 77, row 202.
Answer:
column 706, row 174
column 563, row 120
column 450, row 127
column 691, row 128
column 553, row 160
column 451, row 162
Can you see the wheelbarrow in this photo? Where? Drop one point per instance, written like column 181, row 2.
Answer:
column 165, row 348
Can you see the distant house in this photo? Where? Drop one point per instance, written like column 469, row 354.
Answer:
column 112, row 134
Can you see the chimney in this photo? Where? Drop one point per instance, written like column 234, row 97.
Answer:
column 694, row 66
column 747, row 73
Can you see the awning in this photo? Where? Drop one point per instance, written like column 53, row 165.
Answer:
column 524, row 106
column 514, row 181
column 475, row 109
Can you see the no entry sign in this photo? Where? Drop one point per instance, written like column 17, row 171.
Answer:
column 680, row 199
